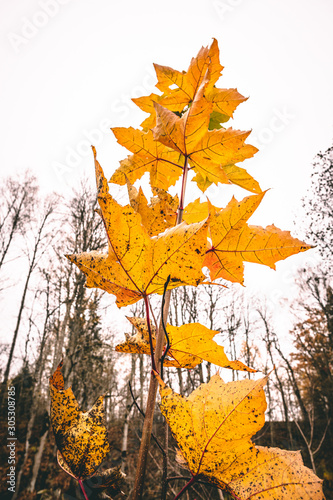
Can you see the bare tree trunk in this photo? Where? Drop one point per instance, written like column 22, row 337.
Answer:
column 269, row 344
column 32, row 265
column 129, row 405
column 141, row 379
column 27, row 443
column 39, row 368
column 180, row 380
column 37, row 462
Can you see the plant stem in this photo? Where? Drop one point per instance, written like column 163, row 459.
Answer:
column 153, row 364
column 148, row 423
column 83, row 490
column 186, row 487
column 182, row 193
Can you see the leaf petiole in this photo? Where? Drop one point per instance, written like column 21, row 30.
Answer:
column 186, row 487
column 83, row 490
column 153, row 364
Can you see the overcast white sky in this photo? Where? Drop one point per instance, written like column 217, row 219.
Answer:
column 69, row 68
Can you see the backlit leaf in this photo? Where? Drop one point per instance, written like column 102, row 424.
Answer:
column 183, row 133
column 157, row 216
column 189, row 82
column 189, row 345
column 225, row 101
column 234, row 242
column 138, row 265
column 213, row 429
column 218, row 149
column 164, row 164
column 193, row 343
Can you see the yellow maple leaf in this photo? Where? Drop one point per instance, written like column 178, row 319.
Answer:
column 146, row 104
column 157, row 216
column 225, row 101
column 193, row 343
column 164, row 164
column 213, row 429
column 234, row 241
column 187, row 83
column 189, row 345
column 136, row 264
column 183, row 133
column 138, row 342
column 197, row 211
column 81, row 438
column 218, row 149
column 229, row 174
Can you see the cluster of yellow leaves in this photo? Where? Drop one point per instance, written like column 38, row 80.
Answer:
column 184, row 125
column 213, row 428
column 145, row 246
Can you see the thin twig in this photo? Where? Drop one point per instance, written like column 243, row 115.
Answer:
column 143, row 414
column 167, row 347
column 322, row 439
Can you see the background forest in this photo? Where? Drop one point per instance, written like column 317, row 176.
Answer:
column 57, row 317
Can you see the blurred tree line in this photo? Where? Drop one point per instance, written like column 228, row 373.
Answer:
column 56, row 317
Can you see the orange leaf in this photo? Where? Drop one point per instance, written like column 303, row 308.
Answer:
column 182, row 134
column 193, row 343
column 233, row 241
column 225, row 101
column 218, row 149
column 189, row 82
column 189, row 345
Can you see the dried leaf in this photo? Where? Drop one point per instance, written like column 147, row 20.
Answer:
column 81, row 438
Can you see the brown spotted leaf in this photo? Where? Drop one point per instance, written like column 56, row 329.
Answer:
column 81, row 438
